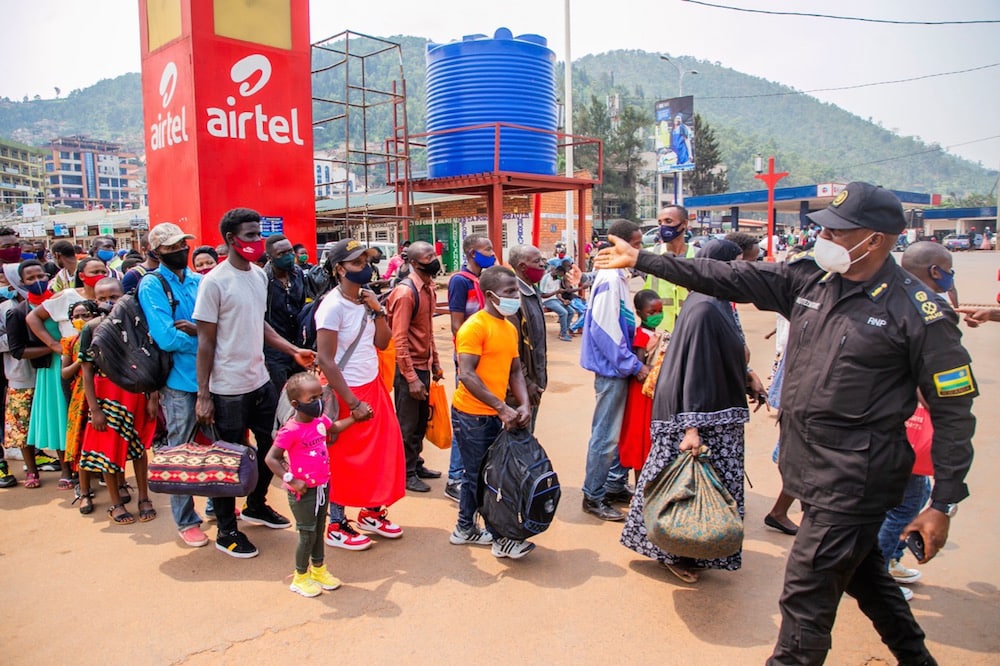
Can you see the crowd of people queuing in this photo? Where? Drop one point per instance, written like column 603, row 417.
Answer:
column 266, row 344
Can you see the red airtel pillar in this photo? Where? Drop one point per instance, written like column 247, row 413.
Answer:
column 228, row 114
column 770, row 179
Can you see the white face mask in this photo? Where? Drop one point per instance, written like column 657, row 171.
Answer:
column 836, row 258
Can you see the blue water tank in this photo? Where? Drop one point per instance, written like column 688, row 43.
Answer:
column 481, row 80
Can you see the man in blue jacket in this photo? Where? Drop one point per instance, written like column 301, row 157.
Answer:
column 607, row 352
column 171, row 323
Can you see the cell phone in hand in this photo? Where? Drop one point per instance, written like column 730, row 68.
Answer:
column 915, row 543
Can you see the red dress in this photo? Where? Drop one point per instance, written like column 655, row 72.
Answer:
column 634, row 441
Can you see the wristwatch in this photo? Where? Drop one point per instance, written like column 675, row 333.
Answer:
column 945, row 508
column 288, row 478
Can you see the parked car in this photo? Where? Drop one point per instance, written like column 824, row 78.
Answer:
column 956, row 242
column 650, row 236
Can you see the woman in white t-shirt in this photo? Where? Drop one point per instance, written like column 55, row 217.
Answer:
column 367, row 465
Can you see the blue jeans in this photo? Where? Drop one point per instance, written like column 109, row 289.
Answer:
column 579, row 306
column 918, row 491
column 455, row 468
column 474, row 435
column 178, row 412
column 604, row 471
column 562, row 312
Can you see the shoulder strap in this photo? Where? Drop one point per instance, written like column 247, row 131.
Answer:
column 166, row 290
column 342, row 363
column 475, row 281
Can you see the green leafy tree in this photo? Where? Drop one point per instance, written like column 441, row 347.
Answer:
column 708, row 177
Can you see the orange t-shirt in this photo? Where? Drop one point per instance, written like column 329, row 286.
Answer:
column 494, row 341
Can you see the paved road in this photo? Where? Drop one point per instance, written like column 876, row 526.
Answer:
column 77, row 588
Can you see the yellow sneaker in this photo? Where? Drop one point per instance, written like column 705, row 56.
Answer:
column 305, row 585
column 323, row 578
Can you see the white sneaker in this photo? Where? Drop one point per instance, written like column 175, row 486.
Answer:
column 504, row 547
column 907, row 593
column 902, row 574
column 474, row 537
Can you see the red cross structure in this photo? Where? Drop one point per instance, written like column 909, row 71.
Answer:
column 770, row 179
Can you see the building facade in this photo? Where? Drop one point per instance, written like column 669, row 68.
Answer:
column 22, row 176
column 89, row 174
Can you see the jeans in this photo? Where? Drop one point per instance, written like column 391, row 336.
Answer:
column 455, row 467
column 474, row 434
column 918, row 491
column 562, row 312
column 604, row 471
column 412, row 416
column 234, row 414
column 579, row 306
column 178, row 412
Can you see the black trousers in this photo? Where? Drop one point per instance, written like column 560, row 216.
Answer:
column 234, row 415
column 412, row 415
column 833, row 555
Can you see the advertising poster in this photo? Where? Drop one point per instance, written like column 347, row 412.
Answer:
column 675, row 134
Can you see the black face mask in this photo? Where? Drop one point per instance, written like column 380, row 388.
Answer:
column 432, row 267
column 313, row 409
column 175, row 261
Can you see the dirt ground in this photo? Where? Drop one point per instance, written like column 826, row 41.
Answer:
column 80, row 589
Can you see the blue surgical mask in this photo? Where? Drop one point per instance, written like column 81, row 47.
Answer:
column 507, row 306
column 946, row 281
column 28, row 255
column 7, row 292
column 483, row 260
column 105, row 255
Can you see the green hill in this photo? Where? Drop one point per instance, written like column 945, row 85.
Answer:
column 813, row 140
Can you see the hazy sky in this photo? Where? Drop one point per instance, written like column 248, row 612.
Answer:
column 74, row 43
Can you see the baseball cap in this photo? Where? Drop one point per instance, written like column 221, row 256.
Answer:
column 166, row 233
column 863, row 205
column 347, row 249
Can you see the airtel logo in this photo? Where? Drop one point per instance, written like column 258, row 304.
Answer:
column 232, row 123
column 172, row 129
column 168, row 83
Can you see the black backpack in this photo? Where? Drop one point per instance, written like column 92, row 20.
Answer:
column 518, row 491
column 125, row 352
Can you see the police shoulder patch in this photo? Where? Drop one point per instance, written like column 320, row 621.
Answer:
column 926, row 304
column 810, row 255
column 955, row 382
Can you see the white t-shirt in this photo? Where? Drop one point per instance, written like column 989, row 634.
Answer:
column 58, row 309
column 338, row 314
column 235, row 301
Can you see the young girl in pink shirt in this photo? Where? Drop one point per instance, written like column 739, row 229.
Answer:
column 306, row 474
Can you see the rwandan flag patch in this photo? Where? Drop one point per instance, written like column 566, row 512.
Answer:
column 951, row 383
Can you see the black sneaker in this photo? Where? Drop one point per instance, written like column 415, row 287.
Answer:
column 266, row 516
column 7, row 480
column 236, row 544
column 453, row 489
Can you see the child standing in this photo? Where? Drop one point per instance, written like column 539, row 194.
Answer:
column 634, row 442
column 306, row 475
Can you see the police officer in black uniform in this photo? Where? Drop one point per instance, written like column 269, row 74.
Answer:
column 864, row 335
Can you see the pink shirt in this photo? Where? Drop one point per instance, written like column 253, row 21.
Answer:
column 305, row 444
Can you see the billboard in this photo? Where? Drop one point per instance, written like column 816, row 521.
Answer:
column 674, row 134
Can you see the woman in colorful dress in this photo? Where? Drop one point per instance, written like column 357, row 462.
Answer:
column 49, row 321
column 121, row 426
column 77, row 414
column 700, row 401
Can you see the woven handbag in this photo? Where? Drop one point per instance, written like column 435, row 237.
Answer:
column 204, row 467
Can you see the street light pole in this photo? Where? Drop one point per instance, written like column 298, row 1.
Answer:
column 770, row 179
column 680, row 74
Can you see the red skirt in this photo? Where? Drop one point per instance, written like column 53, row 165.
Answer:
column 634, row 441
column 129, row 432
column 367, row 465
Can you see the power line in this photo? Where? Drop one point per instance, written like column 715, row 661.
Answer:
column 921, row 152
column 841, row 18
column 853, row 87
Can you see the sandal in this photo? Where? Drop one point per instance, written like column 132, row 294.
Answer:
column 123, row 493
column 686, row 575
column 86, row 501
column 65, row 484
column 146, row 515
column 31, row 481
column 124, row 518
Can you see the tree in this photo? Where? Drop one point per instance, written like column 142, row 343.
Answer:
column 57, row 91
column 707, row 177
column 622, row 147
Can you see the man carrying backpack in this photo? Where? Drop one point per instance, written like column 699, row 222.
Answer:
column 170, row 317
column 488, row 365
column 411, row 307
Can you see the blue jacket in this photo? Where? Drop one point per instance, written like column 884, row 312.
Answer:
column 609, row 327
column 156, row 307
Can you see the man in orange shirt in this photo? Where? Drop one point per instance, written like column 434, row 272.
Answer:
column 488, row 364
